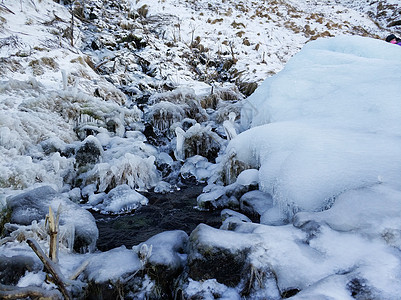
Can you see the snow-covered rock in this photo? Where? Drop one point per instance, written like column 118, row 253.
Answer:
column 121, row 199
column 255, row 203
column 34, row 205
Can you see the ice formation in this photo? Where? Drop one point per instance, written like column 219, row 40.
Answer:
column 138, row 173
column 197, row 140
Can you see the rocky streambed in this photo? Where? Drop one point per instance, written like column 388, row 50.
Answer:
column 171, row 211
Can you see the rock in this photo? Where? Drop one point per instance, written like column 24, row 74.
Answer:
column 213, row 256
column 226, row 263
column 360, row 290
column 13, row 268
column 122, row 199
column 111, row 274
column 29, row 206
column 89, row 152
column 52, row 145
column 165, row 255
column 247, row 88
column 255, row 203
column 34, row 205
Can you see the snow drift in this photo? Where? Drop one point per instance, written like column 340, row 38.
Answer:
column 327, row 124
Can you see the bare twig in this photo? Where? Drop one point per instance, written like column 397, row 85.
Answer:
column 79, row 270
column 104, row 62
column 51, row 268
column 52, row 231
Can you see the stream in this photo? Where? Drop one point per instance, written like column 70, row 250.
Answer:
column 164, row 212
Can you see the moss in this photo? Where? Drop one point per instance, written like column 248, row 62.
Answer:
column 226, row 267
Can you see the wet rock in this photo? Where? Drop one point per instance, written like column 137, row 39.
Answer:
column 34, row 206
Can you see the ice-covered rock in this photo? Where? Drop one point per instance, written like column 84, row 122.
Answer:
column 327, row 134
column 197, row 140
column 112, row 266
column 133, row 170
column 198, row 167
column 162, row 187
column 217, row 195
column 34, row 206
column 13, row 268
column 213, row 199
column 255, row 203
column 373, row 211
column 165, row 257
column 89, row 153
column 230, row 218
column 208, row 289
column 121, row 199
column 164, row 114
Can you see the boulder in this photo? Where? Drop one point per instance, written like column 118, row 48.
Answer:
column 34, row 205
column 255, row 203
column 165, row 256
column 89, row 152
column 13, row 268
column 212, row 255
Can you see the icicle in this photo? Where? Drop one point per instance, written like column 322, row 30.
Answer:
column 229, row 126
column 180, row 143
column 64, row 76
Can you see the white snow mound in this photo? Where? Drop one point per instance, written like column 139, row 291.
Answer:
column 327, row 124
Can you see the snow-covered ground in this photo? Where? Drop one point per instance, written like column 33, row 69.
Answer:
column 328, row 151
column 138, row 93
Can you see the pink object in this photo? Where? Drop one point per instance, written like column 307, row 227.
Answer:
column 393, row 41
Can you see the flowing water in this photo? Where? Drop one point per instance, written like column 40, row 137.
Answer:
column 164, row 212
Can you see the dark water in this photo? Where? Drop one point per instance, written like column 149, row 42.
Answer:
column 164, row 212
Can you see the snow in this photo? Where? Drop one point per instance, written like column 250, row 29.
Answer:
column 119, row 200
column 320, row 139
column 209, row 289
column 166, row 249
column 328, row 151
column 112, row 265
